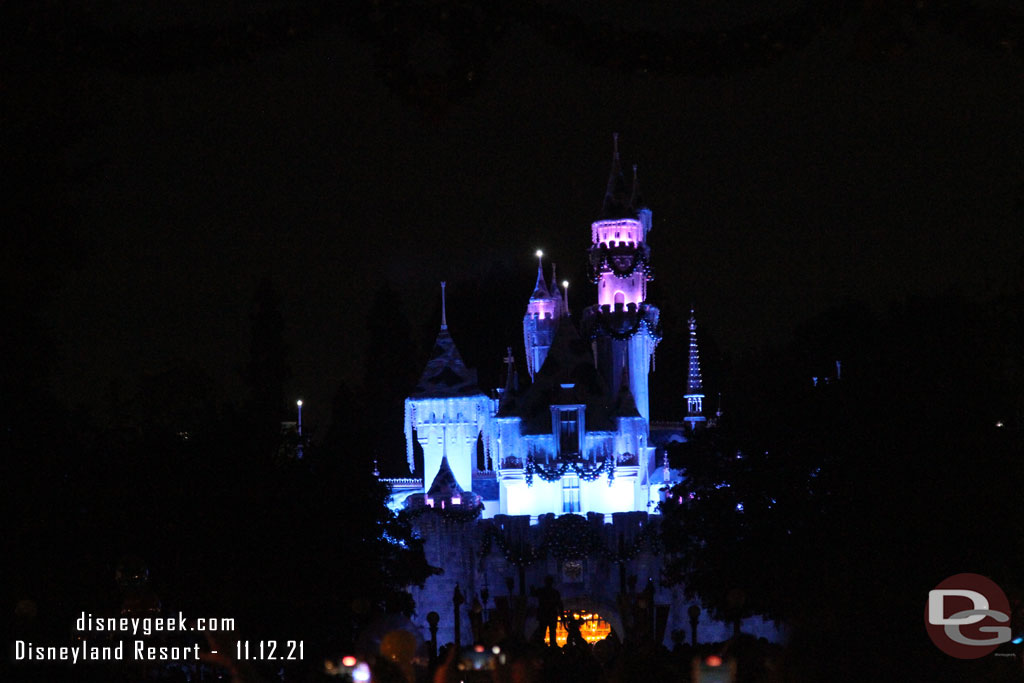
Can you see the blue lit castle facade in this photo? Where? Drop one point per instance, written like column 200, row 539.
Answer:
column 572, row 477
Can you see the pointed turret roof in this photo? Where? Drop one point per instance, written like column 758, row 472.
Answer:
column 556, row 291
column 616, row 197
column 444, row 484
column 540, row 290
column 625, row 404
column 507, row 403
column 446, row 373
column 636, row 200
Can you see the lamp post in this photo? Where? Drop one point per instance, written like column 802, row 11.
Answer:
column 432, row 620
column 299, row 427
column 694, row 614
column 457, row 600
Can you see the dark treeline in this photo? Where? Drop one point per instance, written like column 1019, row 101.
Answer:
column 209, row 502
column 837, row 502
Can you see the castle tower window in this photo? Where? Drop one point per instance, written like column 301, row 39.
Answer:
column 568, row 433
column 570, row 493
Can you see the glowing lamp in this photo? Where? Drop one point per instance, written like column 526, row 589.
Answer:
column 565, row 284
column 361, row 672
column 713, row 660
column 299, row 403
column 456, row 500
column 348, row 660
column 540, row 254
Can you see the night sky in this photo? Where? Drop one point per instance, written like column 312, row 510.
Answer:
column 195, row 149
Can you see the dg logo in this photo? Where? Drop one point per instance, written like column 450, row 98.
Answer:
column 968, row 616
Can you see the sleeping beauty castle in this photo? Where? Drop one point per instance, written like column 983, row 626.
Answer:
column 561, row 478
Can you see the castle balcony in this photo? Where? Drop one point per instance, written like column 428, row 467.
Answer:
column 621, row 321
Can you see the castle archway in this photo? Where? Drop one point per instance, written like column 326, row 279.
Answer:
column 597, row 620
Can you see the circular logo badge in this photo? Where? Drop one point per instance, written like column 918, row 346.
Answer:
column 967, row 616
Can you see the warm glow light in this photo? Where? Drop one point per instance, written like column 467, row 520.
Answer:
column 593, row 629
column 713, row 660
column 348, row 660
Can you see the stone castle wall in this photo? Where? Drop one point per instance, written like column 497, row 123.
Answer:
column 610, row 569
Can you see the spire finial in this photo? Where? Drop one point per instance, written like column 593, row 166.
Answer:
column 565, row 294
column 616, row 195
column 444, row 316
column 510, row 362
column 540, row 290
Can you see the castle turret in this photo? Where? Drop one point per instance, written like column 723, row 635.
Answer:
column 623, row 327
column 541, row 319
column 446, row 411
column 694, row 384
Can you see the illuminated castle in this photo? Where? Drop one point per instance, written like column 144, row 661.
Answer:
column 578, row 439
column 571, row 479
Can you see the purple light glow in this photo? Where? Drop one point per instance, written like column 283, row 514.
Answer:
column 620, row 232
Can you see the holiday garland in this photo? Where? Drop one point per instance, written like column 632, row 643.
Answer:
column 451, row 514
column 642, row 320
column 584, row 471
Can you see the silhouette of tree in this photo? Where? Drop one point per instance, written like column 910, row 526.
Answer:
column 827, row 505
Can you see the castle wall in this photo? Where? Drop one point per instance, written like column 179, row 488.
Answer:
column 483, row 555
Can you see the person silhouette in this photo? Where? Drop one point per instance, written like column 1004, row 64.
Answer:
column 549, row 606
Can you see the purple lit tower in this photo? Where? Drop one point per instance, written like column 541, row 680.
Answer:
column 541, row 319
column 622, row 326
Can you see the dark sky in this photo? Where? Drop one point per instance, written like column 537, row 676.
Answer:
column 877, row 156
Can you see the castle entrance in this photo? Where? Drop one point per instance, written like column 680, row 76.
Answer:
column 595, row 620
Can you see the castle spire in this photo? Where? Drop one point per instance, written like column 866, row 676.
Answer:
column 694, row 382
column 635, row 200
column 540, row 291
column 616, row 200
column 444, row 317
column 507, row 402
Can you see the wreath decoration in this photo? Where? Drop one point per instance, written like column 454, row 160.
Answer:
column 622, row 262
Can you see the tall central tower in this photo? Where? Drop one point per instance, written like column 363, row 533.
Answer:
column 622, row 326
